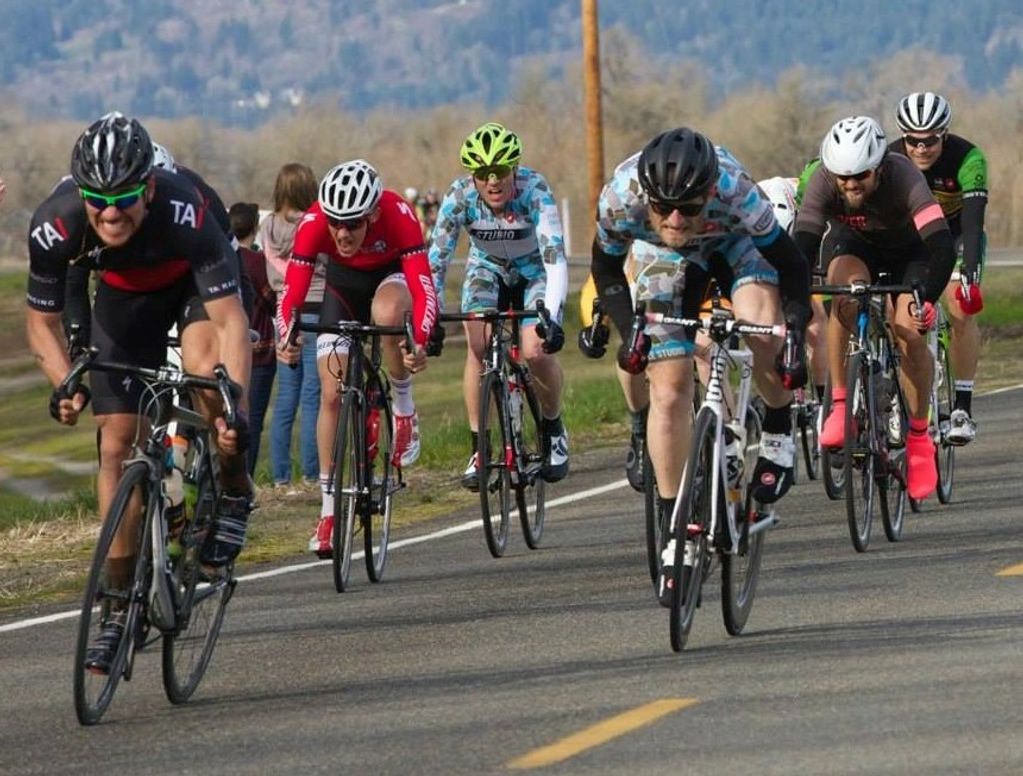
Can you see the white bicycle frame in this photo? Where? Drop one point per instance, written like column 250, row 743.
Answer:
column 723, row 360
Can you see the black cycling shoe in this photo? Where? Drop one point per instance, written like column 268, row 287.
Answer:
column 101, row 652
column 634, row 461
column 229, row 535
column 556, row 467
column 471, row 475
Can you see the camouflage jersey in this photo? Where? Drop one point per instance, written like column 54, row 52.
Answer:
column 525, row 241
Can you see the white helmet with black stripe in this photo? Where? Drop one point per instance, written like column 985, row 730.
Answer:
column 350, row 190
column 923, row 112
column 853, row 145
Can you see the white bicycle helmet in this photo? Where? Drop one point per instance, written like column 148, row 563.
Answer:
column 162, row 158
column 782, row 194
column 853, row 145
column 350, row 190
column 923, row 112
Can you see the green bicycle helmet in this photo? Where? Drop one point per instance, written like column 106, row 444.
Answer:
column 489, row 145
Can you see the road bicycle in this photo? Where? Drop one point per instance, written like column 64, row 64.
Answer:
column 876, row 418
column 512, row 449
column 169, row 589
column 715, row 516
column 365, row 470
column 806, row 419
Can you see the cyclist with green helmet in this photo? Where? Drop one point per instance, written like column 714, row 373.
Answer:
column 516, row 246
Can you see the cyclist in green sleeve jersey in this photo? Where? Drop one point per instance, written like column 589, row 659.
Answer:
column 956, row 172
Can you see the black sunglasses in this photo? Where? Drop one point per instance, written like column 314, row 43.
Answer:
column 691, row 208
column 499, row 171
column 922, row 142
column 351, row 224
column 860, row 176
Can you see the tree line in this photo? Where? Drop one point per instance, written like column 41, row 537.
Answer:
column 772, row 131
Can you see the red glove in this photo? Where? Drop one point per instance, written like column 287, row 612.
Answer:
column 970, row 304
column 927, row 317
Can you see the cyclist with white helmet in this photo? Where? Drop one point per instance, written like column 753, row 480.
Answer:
column 783, row 195
column 376, row 271
column 515, row 245
column 956, row 172
column 879, row 215
column 687, row 210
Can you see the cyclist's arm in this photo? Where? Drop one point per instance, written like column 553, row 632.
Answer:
column 296, row 285
column 793, row 272
column 77, row 305
column 608, row 272
column 444, row 238
column 45, row 340
column 937, row 237
column 972, row 179
column 550, row 238
column 420, row 286
column 232, row 327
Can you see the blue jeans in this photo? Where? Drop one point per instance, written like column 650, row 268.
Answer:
column 260, row 385
column 299, row 387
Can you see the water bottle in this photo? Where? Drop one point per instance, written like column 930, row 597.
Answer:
column 515, row 406
column 174, row 494
column 735, row 452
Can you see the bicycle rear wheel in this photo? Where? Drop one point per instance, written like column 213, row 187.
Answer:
column 493, row 455
column 740, row 571
column 203, row 596
column 946, row 392
column 860, row 458
column 832, row 464
column 530, row 487
column 94, row 690
column 807, row 428
column 691, row 529
column 346, row 488
column 384, row 480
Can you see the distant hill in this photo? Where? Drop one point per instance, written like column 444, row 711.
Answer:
column 243, row 61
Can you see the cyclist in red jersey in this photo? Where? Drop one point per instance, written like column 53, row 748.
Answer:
column 376, row 271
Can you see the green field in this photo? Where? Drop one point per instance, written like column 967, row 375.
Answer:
column 44, row 544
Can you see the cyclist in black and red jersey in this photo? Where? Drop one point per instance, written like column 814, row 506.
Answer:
column 956, row 172
column 879, row 215
column 377, row 270
column 160, row 260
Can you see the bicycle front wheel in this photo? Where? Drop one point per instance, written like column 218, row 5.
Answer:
column 203, row 595
column 860, row 458
column 740, row 570
column 530, row 487
column 832, row 463
column 691, row 531
column 494, row 457
column 384, row 480
column 656, row 531
column 807, row 428
column 946, row 391
column 94, row 685
column 892, row 493
column 346, row 488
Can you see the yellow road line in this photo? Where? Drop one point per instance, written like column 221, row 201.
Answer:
column 601, row 733
column 1011, row 571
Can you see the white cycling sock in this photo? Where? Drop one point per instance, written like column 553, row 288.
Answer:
column 402, row 396
column 327, row 498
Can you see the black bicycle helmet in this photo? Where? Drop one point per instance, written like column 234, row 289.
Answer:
column 114, row 152
column 677, row 165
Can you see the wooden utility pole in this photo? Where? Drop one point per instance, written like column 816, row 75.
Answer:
column 591, row 90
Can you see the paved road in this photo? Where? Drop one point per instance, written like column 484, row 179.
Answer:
column 908, row 659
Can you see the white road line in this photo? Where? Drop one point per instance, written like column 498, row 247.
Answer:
column 570, row 498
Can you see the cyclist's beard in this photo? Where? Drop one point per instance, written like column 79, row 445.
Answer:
column 677, row 237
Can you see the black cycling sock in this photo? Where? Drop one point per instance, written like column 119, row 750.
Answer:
column 638, row 419
column 778, row 420
column 552, row 426
column 964, row 400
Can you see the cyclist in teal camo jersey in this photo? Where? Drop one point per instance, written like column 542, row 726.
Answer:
column 956, row 172
column 515, row 238
column 694, row 210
